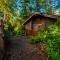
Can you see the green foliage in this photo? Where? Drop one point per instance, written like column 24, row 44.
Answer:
column 54, row 54
column 50, row 37
column 18, row 28
column 15, row 27
column 58, row 21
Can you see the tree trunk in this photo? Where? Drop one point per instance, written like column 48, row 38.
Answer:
column 25, row 9
column 37, row 5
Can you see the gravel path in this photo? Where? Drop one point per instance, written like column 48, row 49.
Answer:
column 21, row 50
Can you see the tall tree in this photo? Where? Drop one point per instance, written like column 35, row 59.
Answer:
column 6, row 7
column 49, row 7
column 37, row 5
column 24, row 8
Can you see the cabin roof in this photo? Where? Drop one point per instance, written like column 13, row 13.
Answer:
column 41, row 15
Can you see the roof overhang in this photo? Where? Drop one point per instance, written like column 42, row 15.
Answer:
column 40, row 14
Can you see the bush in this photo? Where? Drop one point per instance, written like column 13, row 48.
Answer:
column 50, row 37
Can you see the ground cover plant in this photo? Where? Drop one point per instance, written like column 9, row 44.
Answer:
column 51, row 38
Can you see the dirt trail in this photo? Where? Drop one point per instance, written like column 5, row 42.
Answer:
column 19, row 49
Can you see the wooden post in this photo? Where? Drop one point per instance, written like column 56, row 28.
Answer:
column 1, row 40
column 1, row 34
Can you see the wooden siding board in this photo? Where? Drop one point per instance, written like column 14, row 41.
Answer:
column 28, row 26
column 41, row 15
column 37, row 24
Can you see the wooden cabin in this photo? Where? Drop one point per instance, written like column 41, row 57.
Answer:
column 37, row 22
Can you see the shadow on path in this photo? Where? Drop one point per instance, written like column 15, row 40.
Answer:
column 21, row 50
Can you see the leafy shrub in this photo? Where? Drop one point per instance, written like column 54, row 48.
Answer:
column 50, row 37
column 54, row 54
column 18, row 31
column 14, row 26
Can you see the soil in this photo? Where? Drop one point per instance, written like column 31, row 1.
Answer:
column 19, row 49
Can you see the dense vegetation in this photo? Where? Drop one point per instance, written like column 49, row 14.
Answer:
column 51, row 38
column 15, row 12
